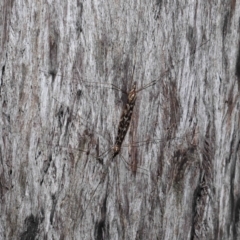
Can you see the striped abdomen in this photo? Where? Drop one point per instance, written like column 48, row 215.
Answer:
column 125, row 120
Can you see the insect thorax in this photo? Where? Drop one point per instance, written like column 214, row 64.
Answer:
column 116, row 150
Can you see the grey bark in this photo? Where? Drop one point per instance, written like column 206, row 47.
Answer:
column 56, row 117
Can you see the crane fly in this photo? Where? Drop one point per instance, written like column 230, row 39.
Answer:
column 125, row 118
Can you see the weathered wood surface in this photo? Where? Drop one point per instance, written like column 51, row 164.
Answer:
column 190, row 188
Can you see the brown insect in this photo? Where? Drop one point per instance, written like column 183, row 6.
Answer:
column 126, row 117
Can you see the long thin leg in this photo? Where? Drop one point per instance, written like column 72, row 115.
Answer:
column 114, row 87
column 130, row 165
column 152, row 83
column 105, row 171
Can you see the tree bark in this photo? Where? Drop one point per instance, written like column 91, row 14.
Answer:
column 177, row 176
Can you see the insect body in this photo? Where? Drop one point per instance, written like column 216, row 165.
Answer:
column 126, row 118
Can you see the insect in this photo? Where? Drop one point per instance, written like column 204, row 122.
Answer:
column 126, row 117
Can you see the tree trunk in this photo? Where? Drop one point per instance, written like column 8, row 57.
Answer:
column 177, row 175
